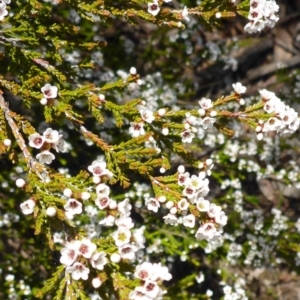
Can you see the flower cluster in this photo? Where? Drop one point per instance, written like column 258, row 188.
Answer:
column 50, row 139
column 262, row 13
column 3, row 11
column 78, row 255
column 150, row 275
column 195, row 188
column 284, row 119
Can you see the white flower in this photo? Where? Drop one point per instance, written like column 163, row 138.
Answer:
column 206, row 231
column 102, row 190
column 153, row 8
column 51, row 136
column 45, row 157
column 146, row 114
column 108, row 221
column 205, row 103
column 128, row 251
column 144, row 271
column 160, row 272
column 98, row 168
column 152, row 204
column 184, row 14
column 124, row 207
column 49, row 91
column 187, row 136
column 3, row 11
column 125, row 223
column 239, row 88
column 202, row 204
column 98, row 260
column 78, row 270
column 102, row 201
column 20, row 182
column 189, row 221
column 221, row 219
column 208, row 122
column 36, row 140
column 73, row 207
column 214, row 210
column 121, row 236
column 60, row 145
column 27, row 207
column 170, row 219
column 86, row 247
column 69, row 253
column 136, row 129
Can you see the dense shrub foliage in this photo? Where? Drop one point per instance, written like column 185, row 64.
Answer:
column 129, row 169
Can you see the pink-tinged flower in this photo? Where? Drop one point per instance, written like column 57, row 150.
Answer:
column 49, row 91
column 3, row 11
column 146, row 114
column 102, row 201
column 128, row 251
column 51, row 136
column 121, row 236
column 36, row 140
column 73, row 207
column 136, row 129
column 144, row 271
column 45, row 157
column 208, row 122
column 239, row 88
column 205, row 103
column 98, row 168
column 152, row 289
column 27, row 207
column 187, row 136
column 153, row 8
column 139, row 293
column 69, row 253
column 78, row 270
column 183, row 204
column 98, row 260
column 86, row 247
column 206, row 231
column 183, row 178
column 152, row 204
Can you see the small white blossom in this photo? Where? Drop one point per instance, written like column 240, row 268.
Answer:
column 36, row 140
column 73, row 207
column 146, row 114
column 51, row 136
column 27, row 207
column 78, row 271
column 152, row 204
column 189, row 221
column 86, row 247
column 45, row 157
column 136, row 129
column 3, row 11
column 121, row 237
column 239, row 88
column 153, row 8
column 184, row 14
column 49, row 91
